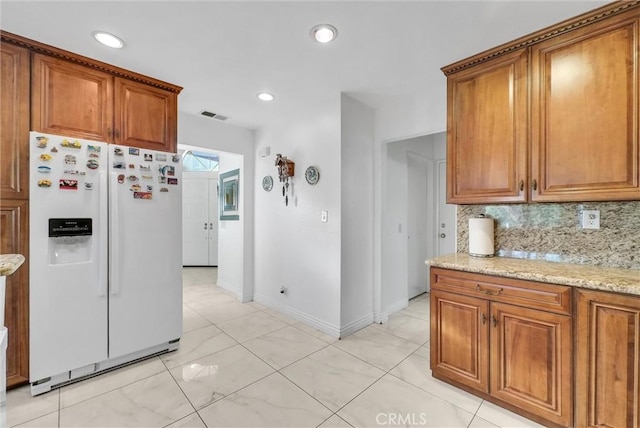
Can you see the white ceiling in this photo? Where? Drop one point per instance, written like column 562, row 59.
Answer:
column 388, row 53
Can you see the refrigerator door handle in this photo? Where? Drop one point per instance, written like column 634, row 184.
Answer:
column 114, row 259
column 102, row 281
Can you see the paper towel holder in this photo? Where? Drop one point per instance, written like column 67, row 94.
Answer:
column 481, row 241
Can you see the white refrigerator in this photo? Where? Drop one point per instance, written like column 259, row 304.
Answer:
column 105, row 257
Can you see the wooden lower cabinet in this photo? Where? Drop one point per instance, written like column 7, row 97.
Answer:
column 510, row 354
column 607, row 360
column 14, row 233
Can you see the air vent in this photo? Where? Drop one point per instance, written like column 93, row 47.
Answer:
column 213, row 115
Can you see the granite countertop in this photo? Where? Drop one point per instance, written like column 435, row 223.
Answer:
column 9, row 263
column 618, row 280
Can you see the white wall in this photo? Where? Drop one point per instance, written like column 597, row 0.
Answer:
column 236, row 263
column 357, row 202
column 293, row 247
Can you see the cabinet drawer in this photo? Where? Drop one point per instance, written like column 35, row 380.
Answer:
column 536, row 295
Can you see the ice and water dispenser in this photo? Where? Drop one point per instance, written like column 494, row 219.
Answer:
column 70, row 240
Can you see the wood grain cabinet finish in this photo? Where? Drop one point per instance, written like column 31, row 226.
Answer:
column 550, row 117
column 14, row 122
column 146, row 116
column 586, row 112
column 71, row 100
column 511, row 354
column 76, row 100
column 486, row 132
column 14, row 224
column 608, row 360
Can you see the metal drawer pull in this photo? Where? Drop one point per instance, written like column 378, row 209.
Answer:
column 488, row 292
column 484, row 319
column 494, row 321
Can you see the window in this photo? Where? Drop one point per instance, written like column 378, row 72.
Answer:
column 200, row 161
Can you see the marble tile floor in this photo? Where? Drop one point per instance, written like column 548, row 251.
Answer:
column 244, row 365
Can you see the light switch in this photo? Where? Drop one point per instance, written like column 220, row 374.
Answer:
column 591, row 219
column 325, row 216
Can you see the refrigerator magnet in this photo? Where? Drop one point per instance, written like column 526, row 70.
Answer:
column 135, row 188
column 88, row 185
column 44, row 169
column 172, row 181
column 131, row 166
column 161, row 157
column 93, row 164
column 66, row 184
column 54, row 149
column 162, row 169
column 142, row 195
column 147, row 177
column 175, row 158
column 148, row 157
column 162, row 180
column 132, row 178
column 94, row 151
column 44, row 183
column 171, row 170
column 145, row 168
column 74, row 172
column 118, row 151
column 119, row 165
column 75, row 145
column 134, row 152
column 121, row 178
column 45, row 157
column 149, row 188
column 69, row 160
column 164, row 190
column 41, row 142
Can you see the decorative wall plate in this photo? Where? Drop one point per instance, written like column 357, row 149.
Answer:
column 312, row 175
column 267, row 183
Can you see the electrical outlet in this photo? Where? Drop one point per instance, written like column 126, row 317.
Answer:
column 591, row 219
column 325, row 216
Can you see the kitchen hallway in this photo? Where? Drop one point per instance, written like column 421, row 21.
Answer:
column 244, row 365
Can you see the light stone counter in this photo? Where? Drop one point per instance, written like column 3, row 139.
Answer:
column 9, row 263
column 618, row 280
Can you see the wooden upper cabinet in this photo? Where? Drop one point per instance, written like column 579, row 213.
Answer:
column 487, row 131
column 145, row 116
column 14, row 122
column 71, row 100
column 608, row 360
column 586, row 112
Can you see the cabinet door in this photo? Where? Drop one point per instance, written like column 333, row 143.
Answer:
column 14, row 122
column 14, row 233
column 146, row 116
column 487, row 132
column 585, row 113
column 460, row 339
column 531, row 361
column 71, row 100
column 608, row 360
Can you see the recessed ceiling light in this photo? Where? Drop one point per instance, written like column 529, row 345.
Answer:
column 323, row 33
column 265, row 96
column 108, row 39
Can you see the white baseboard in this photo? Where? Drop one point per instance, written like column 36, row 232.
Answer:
column 316, row 323
column 356, row 325
column 383, row 317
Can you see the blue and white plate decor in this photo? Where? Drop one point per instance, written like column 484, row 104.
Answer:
column 312, row 175
column 267, row 183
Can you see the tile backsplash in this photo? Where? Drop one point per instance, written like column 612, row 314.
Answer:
column 553, row 232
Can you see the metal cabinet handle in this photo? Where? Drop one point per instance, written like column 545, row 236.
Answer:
column 484, row 319
column 534, row 184
column 443, row 235
column 494, row 321
column 488, row 292
column 205, row 226
column 521, row 185
column 211, row 226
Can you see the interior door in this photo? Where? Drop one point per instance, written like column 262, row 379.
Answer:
column 419, row 219
column 213, row 221
column 446, row 221
column 195, row 222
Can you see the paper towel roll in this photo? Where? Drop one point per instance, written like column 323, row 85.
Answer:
column 481, row 237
